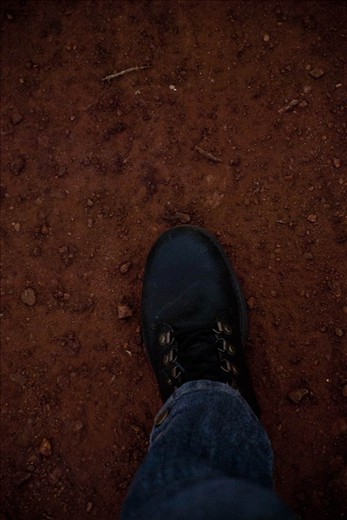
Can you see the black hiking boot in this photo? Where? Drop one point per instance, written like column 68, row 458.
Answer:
column 194, row 315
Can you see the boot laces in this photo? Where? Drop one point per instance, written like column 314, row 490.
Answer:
column 199, row 354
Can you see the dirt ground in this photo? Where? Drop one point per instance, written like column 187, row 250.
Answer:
column 236, row 123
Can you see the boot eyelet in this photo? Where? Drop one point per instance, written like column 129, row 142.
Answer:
column 176, row 372
column 220, row 327
column 166, row 338
column 228, row 329
column 231, row 349
column 170, row 357
column 225, row 365
column 234, row 370
column 223, row 327
column 161, row 418
column 226, row 347
column 222, row 345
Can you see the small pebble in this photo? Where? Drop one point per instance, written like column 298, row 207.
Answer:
column 251, row 302
column 45, row 448
column 124, row 311
column 89, row 507
column 16, row 227
column 44, row 230
column 18, row 165
column 78, row 426
column 337, row 162
column 312, row 218
column 28, row 297
column 124, row 268
column 297, row 395
column 62, row 171
column 266, row 37
column 183, row 218
column 339, row 332
column 316, row 73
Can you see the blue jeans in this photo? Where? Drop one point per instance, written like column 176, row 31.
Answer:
column 209, row 459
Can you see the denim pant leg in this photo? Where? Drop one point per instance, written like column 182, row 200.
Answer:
column 209, row 459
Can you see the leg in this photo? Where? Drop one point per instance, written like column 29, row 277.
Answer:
column 209, row 457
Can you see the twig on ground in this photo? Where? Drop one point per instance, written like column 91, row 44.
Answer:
column 289, row 107
column 208, row 155
column 122, row 72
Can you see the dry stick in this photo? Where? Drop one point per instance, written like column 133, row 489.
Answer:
column 122, row 72
column 206, row 154
column 289, row 107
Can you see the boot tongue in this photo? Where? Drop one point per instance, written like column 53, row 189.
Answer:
column 187, row 312
column 198, row 355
